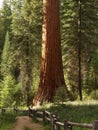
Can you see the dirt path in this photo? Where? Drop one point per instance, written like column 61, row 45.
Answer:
column 26, row 122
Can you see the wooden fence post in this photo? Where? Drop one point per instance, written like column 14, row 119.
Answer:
column 95, row 125
column 34, row 112
column 3, row 110
column 58, row 127
column 16, row 109
column 55, row 125
column 65, row 125
column 70, row 127
column 44, row 114
column 29, row 111
column 52, row 122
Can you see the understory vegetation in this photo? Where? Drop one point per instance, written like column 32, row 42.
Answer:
column 81, row 112
column 7, row 120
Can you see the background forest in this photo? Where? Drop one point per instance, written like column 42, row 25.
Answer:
column 20, row 49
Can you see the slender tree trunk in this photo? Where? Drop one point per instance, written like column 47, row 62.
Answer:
column 79, row 51
column 28, row 82
column 26, row 71
column 51, row 76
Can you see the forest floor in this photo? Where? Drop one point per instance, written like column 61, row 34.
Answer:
column 24, row 123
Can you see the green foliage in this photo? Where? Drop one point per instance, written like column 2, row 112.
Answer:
column 26, row 31
column 60, row 95
column 69, row 37
column 10, row 93
column 90, row 95
column 5, row 21
column 94, row 95
column 91, row 80
column 5, row 14
column 5, row 56
column 1, row 34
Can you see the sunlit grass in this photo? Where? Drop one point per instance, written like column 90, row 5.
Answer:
column 85, row 102
column 77, row 111
column 74, row 103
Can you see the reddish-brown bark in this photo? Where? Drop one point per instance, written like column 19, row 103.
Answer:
column 51, row 76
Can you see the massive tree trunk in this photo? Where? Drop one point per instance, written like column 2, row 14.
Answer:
column 51, row 76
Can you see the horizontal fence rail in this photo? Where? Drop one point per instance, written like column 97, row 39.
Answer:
column 4, row 110
column 46, row 116
column 80, row 124
column 16, row 110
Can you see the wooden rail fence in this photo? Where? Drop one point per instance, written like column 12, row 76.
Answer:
column 47, row 116
column 16, row 110
column 56, row 124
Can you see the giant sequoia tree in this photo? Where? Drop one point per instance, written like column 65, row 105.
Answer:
column 51, row 76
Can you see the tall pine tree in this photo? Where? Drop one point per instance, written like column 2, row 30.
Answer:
column 79, row 38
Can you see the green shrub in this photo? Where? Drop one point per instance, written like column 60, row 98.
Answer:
column 10, row 92
column 94, row 94
column 60, row 95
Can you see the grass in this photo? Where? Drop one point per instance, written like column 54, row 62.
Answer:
column 7, row 121
column 47, row 127
column 27, row 128
column 81, row 112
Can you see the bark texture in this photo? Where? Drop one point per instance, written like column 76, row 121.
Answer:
column 51, row 76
